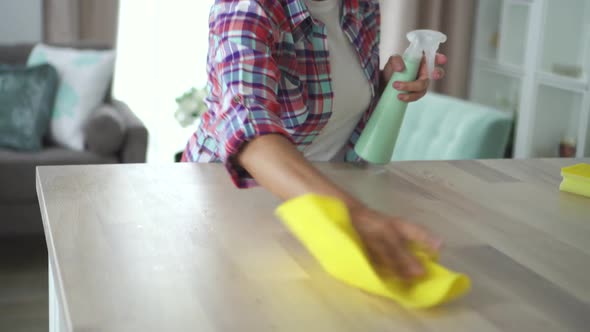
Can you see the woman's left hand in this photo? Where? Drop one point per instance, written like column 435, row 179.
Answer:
column 416, row 89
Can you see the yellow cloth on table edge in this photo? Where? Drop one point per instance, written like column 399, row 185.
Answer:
column 323, row 225
column 576, row 179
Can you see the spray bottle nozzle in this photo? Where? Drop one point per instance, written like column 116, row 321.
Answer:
column 424, row 42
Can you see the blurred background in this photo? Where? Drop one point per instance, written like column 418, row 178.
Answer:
column 524, row 59
column 527, row 57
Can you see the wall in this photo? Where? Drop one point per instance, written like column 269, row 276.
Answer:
column 20, row 21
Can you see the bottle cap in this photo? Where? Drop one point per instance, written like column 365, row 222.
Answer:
column 424, row 42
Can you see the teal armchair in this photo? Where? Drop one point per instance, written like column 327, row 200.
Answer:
column 439, row 127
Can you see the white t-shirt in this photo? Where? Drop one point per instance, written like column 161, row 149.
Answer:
column 352, row 89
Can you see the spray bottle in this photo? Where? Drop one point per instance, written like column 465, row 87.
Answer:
column 377, row 142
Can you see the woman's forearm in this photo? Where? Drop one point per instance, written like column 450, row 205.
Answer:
column 279, row 167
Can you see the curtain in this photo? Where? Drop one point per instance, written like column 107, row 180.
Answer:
column 79, row 21
column 455, row 18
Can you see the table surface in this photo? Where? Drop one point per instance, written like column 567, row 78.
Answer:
column 177, row 248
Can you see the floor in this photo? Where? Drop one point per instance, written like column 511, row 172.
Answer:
column 23, row 284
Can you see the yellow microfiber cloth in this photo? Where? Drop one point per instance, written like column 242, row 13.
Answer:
column 323, row 225
column 576, row 179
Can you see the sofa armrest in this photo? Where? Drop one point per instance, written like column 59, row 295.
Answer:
column 134, row 148
column 105, row 131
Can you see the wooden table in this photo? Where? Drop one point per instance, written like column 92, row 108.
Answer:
column 177, row 248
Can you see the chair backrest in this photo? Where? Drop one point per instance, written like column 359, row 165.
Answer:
column 439, row 127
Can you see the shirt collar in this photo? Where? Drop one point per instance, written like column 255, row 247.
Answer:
column 299, row 16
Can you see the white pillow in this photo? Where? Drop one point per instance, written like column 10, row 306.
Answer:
column 84, row 79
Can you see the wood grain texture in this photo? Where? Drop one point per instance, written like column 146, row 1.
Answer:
column 178, row 248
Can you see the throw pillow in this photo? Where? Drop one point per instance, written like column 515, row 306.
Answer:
column 26, row 101
column 84, row 79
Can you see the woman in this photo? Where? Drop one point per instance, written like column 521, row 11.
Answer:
column 294, row 81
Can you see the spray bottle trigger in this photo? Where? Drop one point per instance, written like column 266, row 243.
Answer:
column 425, row 42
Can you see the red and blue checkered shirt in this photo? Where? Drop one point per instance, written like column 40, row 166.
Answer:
column 269, row 73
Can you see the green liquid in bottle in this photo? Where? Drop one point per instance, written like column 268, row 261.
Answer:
column 377, row 142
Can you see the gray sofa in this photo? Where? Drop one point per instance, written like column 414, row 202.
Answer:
column 19, row 209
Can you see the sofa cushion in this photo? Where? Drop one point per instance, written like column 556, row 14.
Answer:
column 15, row 54
column 20, row 219
column 17, row 169
column 105, row 131
column 84, row 80
column 26, row 102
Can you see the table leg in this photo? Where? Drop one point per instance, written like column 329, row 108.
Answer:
column 56, row 318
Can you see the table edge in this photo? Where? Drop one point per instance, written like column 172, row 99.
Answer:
column 51, row 251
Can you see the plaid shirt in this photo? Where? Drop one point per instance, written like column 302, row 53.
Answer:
column 269, row 73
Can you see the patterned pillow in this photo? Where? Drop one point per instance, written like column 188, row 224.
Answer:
column 84, row 79
column 26, row 102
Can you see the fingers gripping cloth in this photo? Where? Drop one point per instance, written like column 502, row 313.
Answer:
column 323, row 226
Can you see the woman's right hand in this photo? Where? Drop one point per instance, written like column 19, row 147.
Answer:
column 387, row 242
column 278, row 166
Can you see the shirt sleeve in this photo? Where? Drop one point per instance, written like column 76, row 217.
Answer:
column 245, row 80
